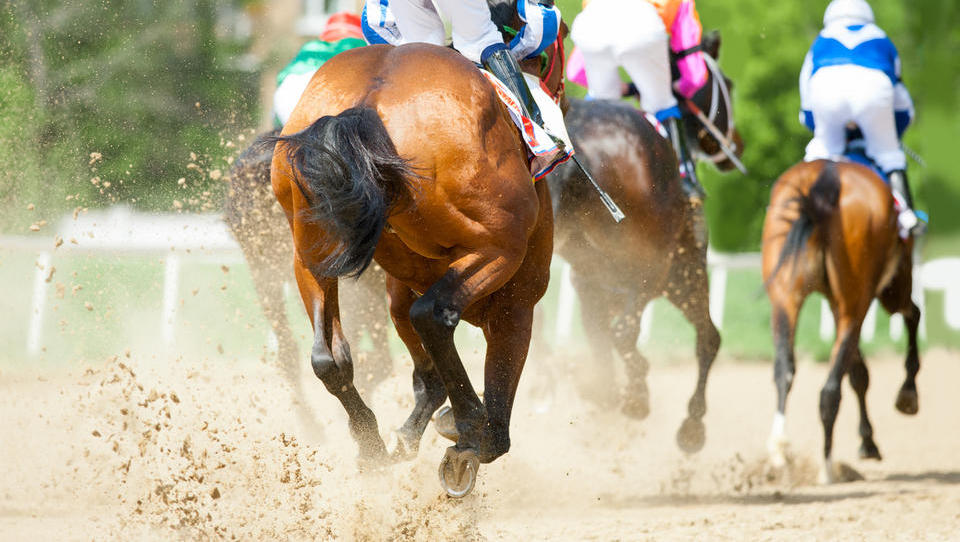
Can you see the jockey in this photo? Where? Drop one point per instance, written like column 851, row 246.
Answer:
column 635, row 35
column 342, row 32
column 852, row 75
column 397, row 22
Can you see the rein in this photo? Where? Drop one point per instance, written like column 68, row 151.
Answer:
column 709, row 121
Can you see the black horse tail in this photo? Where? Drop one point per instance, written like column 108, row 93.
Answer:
column 816, row 207
column 349, row 171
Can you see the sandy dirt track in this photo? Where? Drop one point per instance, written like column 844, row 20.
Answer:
column 183, row 450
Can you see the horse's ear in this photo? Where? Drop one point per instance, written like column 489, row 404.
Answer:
column 711, row 44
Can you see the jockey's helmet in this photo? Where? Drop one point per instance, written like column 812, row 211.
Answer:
column 848, row 12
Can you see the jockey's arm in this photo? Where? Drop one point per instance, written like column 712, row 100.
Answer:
column 686, row 33
column 902, row 103
column 806, row 110
column 540, row 29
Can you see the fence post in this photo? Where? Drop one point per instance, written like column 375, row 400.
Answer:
column 566, row 300
column 718, row 294
column 39, row 303
column 171, row 285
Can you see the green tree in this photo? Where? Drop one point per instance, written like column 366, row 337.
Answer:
column 144, row 84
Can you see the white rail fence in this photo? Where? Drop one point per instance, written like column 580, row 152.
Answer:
column 119, row 231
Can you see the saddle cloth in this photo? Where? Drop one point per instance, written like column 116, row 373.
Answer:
column 543, row 153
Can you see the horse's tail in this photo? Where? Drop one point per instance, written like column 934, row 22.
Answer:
column 816, row 207
column 352, row 177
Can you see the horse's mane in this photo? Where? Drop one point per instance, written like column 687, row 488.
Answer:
column 503, row 12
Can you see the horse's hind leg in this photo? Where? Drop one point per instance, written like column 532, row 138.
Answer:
column 896, row 298
column 369, row 314
column 907, row 401
column 845, row 350
column 435, row 316
column 428, row 389
column 331, row 361
column 688, row 290
column 626, row 331
column 597, row 303
column 507, row 335
column 785, row 309
column 859, row 381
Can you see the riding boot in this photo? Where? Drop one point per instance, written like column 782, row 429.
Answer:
column 501, row 63
column 688, row 172
column 899, row 184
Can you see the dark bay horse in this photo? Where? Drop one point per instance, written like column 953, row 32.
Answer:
column 831, row 228
column 427, row 175
column 660, row 249
column 260, row 228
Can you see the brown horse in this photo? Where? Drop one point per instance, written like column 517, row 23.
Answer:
column 259, row 226
column 831, row 228
column 405, row 155
column 659, row 250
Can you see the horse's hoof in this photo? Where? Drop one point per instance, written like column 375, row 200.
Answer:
column 839, row 472
column 691, row 435
column 458, row 471
column 779, row 450
column 869, row 450
column 636, row 405
column 444, row 423
column 400, row 447
column 907, row 401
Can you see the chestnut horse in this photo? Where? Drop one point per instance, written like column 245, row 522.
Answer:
column 660, row 249
column 260, row 228
column 405, row 155
column 831, row 228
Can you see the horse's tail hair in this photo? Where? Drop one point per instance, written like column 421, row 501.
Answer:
column 349, row 171
column 816, row 207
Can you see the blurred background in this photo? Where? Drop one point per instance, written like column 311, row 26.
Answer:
column 144, row 104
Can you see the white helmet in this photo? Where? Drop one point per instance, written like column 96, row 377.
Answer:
column 848, row 12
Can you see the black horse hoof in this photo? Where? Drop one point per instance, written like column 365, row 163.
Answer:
column 869, row 450
column 458, row 471
column 444, row 423
column 907, row 401
column 691, row 435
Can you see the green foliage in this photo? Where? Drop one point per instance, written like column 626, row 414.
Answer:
column 144, row 84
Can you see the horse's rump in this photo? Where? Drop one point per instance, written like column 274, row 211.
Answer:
column 835, row 213
column 370, row 114
column 633, row 163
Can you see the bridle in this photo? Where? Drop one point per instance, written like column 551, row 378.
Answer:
column 720, row 90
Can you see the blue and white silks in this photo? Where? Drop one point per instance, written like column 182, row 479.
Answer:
column 540, row 28
column 864, row 45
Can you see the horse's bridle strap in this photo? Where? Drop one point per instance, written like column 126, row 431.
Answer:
column 688, row 51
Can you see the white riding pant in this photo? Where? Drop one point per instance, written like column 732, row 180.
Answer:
column 628, row 34
column 473, row 31
column 287, row 95
column 850, row 93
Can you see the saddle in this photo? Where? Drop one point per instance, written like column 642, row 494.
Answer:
column 543, row 153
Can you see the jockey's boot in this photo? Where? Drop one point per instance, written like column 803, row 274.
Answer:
column 688, row 172
column 501, row 63
column 908, row 218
